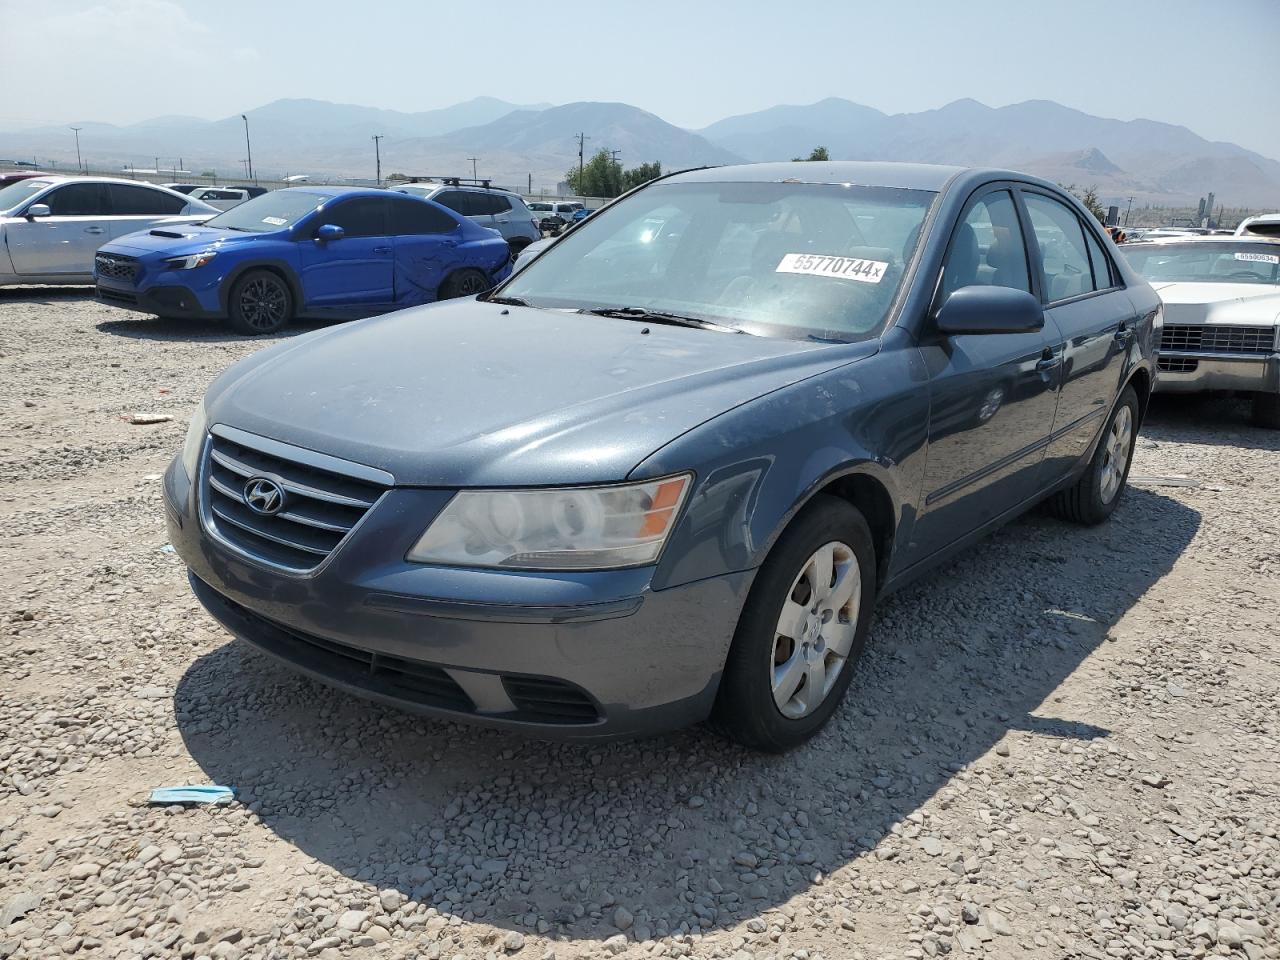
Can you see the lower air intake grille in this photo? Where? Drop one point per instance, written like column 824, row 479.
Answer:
column 550, row 701
column 1177, row 364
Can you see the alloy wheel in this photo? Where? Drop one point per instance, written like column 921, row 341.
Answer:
column 1115, row 454
column 264, row 303
column 815, row 630
column 469, row 284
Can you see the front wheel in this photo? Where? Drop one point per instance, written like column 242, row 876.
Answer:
column 802, row 630
column 260, row 302
column 1097, row 493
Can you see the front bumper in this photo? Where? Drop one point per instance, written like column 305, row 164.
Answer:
column 191, row 294
column 564, row 655
column 1196, row 372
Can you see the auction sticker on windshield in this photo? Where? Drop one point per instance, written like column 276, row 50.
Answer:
column 275, row 221
column 842, row 268
column 1259, row 257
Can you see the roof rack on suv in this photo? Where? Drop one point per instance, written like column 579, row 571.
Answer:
column 448, row 181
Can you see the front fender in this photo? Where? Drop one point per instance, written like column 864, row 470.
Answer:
column 280, row 264
column 760, row 463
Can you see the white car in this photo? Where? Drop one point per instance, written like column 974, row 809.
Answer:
column 50, row 227
column 224, row 198
column 496, row 209
column 1221, row 316
column 1260, row 225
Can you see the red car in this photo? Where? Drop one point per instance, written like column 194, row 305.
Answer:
column 13, row 176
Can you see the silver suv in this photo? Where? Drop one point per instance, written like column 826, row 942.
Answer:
column 482, row 204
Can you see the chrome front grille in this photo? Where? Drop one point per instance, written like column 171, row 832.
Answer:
column 1211, row 338
column 116, row 267
column 320, row 507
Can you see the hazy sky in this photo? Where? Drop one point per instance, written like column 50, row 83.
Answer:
column 1211, row 65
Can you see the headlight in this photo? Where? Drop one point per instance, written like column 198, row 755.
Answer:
column 192, row 446
column 191, row 262
column 575, row 528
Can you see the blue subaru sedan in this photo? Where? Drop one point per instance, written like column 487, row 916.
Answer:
column 322, row 252
column 663, row 473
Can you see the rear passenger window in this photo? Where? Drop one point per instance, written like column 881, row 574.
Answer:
column 418, row 217
column 79, row 200
column 1064, row 257
column 361, row 217
column 987, row 249
column 1102, row 275
column 131, row 201
column 457, row 200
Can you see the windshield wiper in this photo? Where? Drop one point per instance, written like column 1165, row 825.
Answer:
column 508, row 301
column 659, row 316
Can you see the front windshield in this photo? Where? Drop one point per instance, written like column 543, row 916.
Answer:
column 15, row 194
column 270, row 212
column 775, row 259
column 1206, row 262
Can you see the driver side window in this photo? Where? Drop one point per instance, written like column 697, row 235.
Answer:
column 987, row 248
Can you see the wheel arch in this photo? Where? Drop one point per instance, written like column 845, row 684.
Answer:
column 1142, row 381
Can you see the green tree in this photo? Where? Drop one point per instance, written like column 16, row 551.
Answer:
column 1089, row 197
column 602, row 176
column 641, row 174
column 818, row 153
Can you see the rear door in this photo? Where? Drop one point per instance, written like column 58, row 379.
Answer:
column 357, row 270
column 992, row 396
column 62, row 244
column 135, row 207
column 1087, row 303
column 425, row 239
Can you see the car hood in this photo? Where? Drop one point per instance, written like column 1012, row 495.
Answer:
column 1247, row 304
column 465, row 393
column 177, row 239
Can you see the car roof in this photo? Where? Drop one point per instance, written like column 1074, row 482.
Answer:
column 61, row 178
column 911, row 176
column 1202, row 238
column 437, row 184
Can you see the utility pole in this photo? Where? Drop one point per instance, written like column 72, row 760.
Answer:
column 473, row 167
column 377, row 155
column 79, row 165
column 582, row 139
column 1126, row 211
column 613, row 155
column 248, row 151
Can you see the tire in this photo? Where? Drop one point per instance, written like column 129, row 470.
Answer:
column 464, row 283
column 1095, row 496
column 1266, row 410
column 760, row 703
column 260, row 302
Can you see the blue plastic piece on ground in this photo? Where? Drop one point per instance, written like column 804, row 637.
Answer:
column 210, row 793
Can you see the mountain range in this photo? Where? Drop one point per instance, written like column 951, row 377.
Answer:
column 534, row 144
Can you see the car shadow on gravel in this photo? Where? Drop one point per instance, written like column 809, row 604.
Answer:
column 1206, row 419
column 44, row 296
column 686, row 831
column 169, row 329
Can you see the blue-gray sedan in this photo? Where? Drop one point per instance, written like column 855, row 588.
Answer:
column 663, row 472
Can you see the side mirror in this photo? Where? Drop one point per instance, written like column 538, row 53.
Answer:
column 38, row 210
column 984, row 309
column 329, row 232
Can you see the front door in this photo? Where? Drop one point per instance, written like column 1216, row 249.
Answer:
column 1095, row 317
column 992, row 396
column 357, row 270
column 63, row 243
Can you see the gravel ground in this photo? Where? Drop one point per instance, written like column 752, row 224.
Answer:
column 1064, row 745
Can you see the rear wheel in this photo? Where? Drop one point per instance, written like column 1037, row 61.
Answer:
column 260, row 302
column 802, row 630
column 1097, row 493
column 464, row 283
column 1266, row 410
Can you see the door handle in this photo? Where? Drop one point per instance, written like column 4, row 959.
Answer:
column 381, row 249
column 94, row 230
column 1123, row 334
column 1048, row 360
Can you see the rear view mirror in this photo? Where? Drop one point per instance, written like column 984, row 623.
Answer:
column 38, row 210
column 329, row 232
column 985, row 309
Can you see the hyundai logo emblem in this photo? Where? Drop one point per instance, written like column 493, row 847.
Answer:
column 263, row 496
